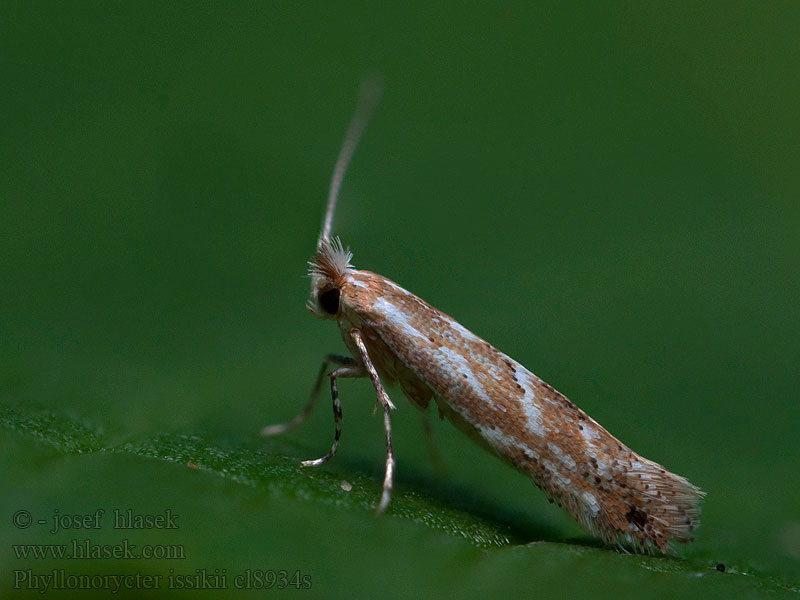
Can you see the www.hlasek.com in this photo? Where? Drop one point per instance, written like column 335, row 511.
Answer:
column 86, row 549
column 199, row 579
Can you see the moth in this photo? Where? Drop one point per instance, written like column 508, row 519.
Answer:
column 394, row 337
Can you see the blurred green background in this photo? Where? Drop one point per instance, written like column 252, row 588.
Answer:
column 608, row 193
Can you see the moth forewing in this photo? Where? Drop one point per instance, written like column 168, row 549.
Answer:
column 603, row 484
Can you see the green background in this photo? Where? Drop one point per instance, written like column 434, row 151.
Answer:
column 606, row 192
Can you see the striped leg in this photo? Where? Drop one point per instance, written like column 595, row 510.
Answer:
column 284, row 427
column 349, row 371
column 383, row 398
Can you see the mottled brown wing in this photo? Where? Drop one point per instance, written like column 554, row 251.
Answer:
column 606, row 486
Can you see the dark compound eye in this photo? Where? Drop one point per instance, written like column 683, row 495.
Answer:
column 329, row 301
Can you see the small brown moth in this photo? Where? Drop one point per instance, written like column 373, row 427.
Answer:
column 395, row 337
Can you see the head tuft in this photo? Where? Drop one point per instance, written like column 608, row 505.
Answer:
column 328, row 268
column 331, row 261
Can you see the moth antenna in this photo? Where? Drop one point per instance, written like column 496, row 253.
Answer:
column 368, row 98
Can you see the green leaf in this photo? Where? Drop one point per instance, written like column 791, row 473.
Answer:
column 274, row 470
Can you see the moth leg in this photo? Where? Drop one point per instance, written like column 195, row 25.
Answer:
column 348, row 371
column 284, row 427
column 430, row 444
column 388, row 477
column 383, row 397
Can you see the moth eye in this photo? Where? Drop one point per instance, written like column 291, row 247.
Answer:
column 329, row 301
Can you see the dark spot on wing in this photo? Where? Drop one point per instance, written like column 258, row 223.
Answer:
column 636, row 516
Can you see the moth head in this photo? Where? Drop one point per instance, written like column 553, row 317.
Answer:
column 331, row 262
column 328, row 269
